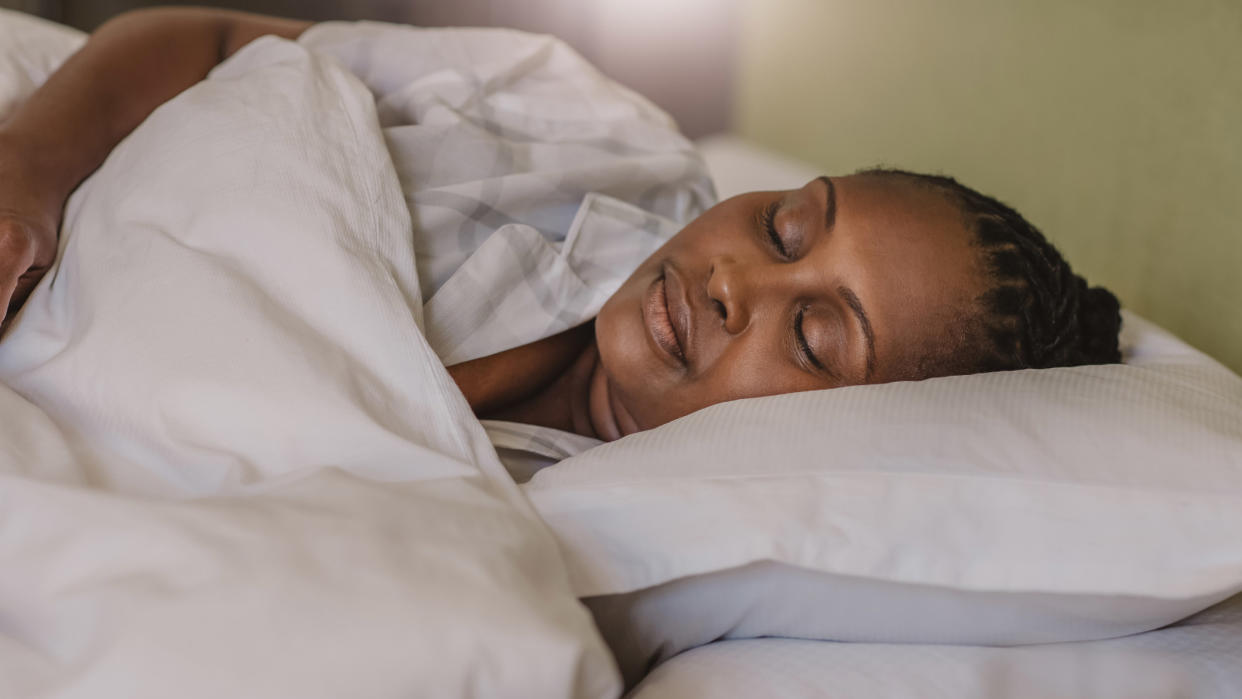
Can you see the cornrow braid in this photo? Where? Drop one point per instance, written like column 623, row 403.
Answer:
column 1037, row 313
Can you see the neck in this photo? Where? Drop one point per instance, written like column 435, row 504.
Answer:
column 561, row 403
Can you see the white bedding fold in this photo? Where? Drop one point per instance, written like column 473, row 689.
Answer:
column 235, row 467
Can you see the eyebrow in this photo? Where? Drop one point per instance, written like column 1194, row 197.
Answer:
column 830, row 216
column 847, row 294
column 851, row 300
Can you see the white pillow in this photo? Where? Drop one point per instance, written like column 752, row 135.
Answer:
column 1006, row 508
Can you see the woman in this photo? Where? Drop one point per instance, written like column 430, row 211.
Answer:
column 874, row 277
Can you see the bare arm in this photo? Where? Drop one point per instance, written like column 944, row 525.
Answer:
column 129, row 66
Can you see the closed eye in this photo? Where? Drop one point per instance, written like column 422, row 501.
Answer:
column 803, row 344
column 768, row 219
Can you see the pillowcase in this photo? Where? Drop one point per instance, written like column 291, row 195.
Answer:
column 1006, row 508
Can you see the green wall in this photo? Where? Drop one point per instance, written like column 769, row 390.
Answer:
column 1115, row 126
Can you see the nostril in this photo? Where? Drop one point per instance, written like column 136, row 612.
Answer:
column 720, row 308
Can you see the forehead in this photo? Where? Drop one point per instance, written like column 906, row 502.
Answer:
column 899, row 210
column 913, row 263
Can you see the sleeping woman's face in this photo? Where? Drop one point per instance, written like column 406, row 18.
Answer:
column 847, row 280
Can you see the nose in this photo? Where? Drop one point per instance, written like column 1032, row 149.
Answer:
column 732, row 287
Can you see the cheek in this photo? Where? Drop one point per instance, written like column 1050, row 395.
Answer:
column 634, row 372
column 744, row 370
column 753, row 367
column 616, row 335
column 651, row 392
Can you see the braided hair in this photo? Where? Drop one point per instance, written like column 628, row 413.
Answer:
column 1037, row 312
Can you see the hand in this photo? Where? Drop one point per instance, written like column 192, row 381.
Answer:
column 30, row 210
column 31, row 203
column 27, row 251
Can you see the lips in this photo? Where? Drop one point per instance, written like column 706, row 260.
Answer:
column 660, row 321
column 678, row 306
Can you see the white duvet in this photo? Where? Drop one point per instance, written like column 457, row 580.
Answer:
column 230, row 465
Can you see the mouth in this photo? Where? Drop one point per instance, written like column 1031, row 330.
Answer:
column 660, row 321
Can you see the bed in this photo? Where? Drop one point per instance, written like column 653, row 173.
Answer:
column 1198, row 657
column 335, row 532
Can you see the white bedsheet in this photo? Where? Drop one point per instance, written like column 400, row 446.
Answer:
column 230, row 464
column 1200, row 658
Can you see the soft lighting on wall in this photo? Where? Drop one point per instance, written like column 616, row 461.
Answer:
column 657, row 17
